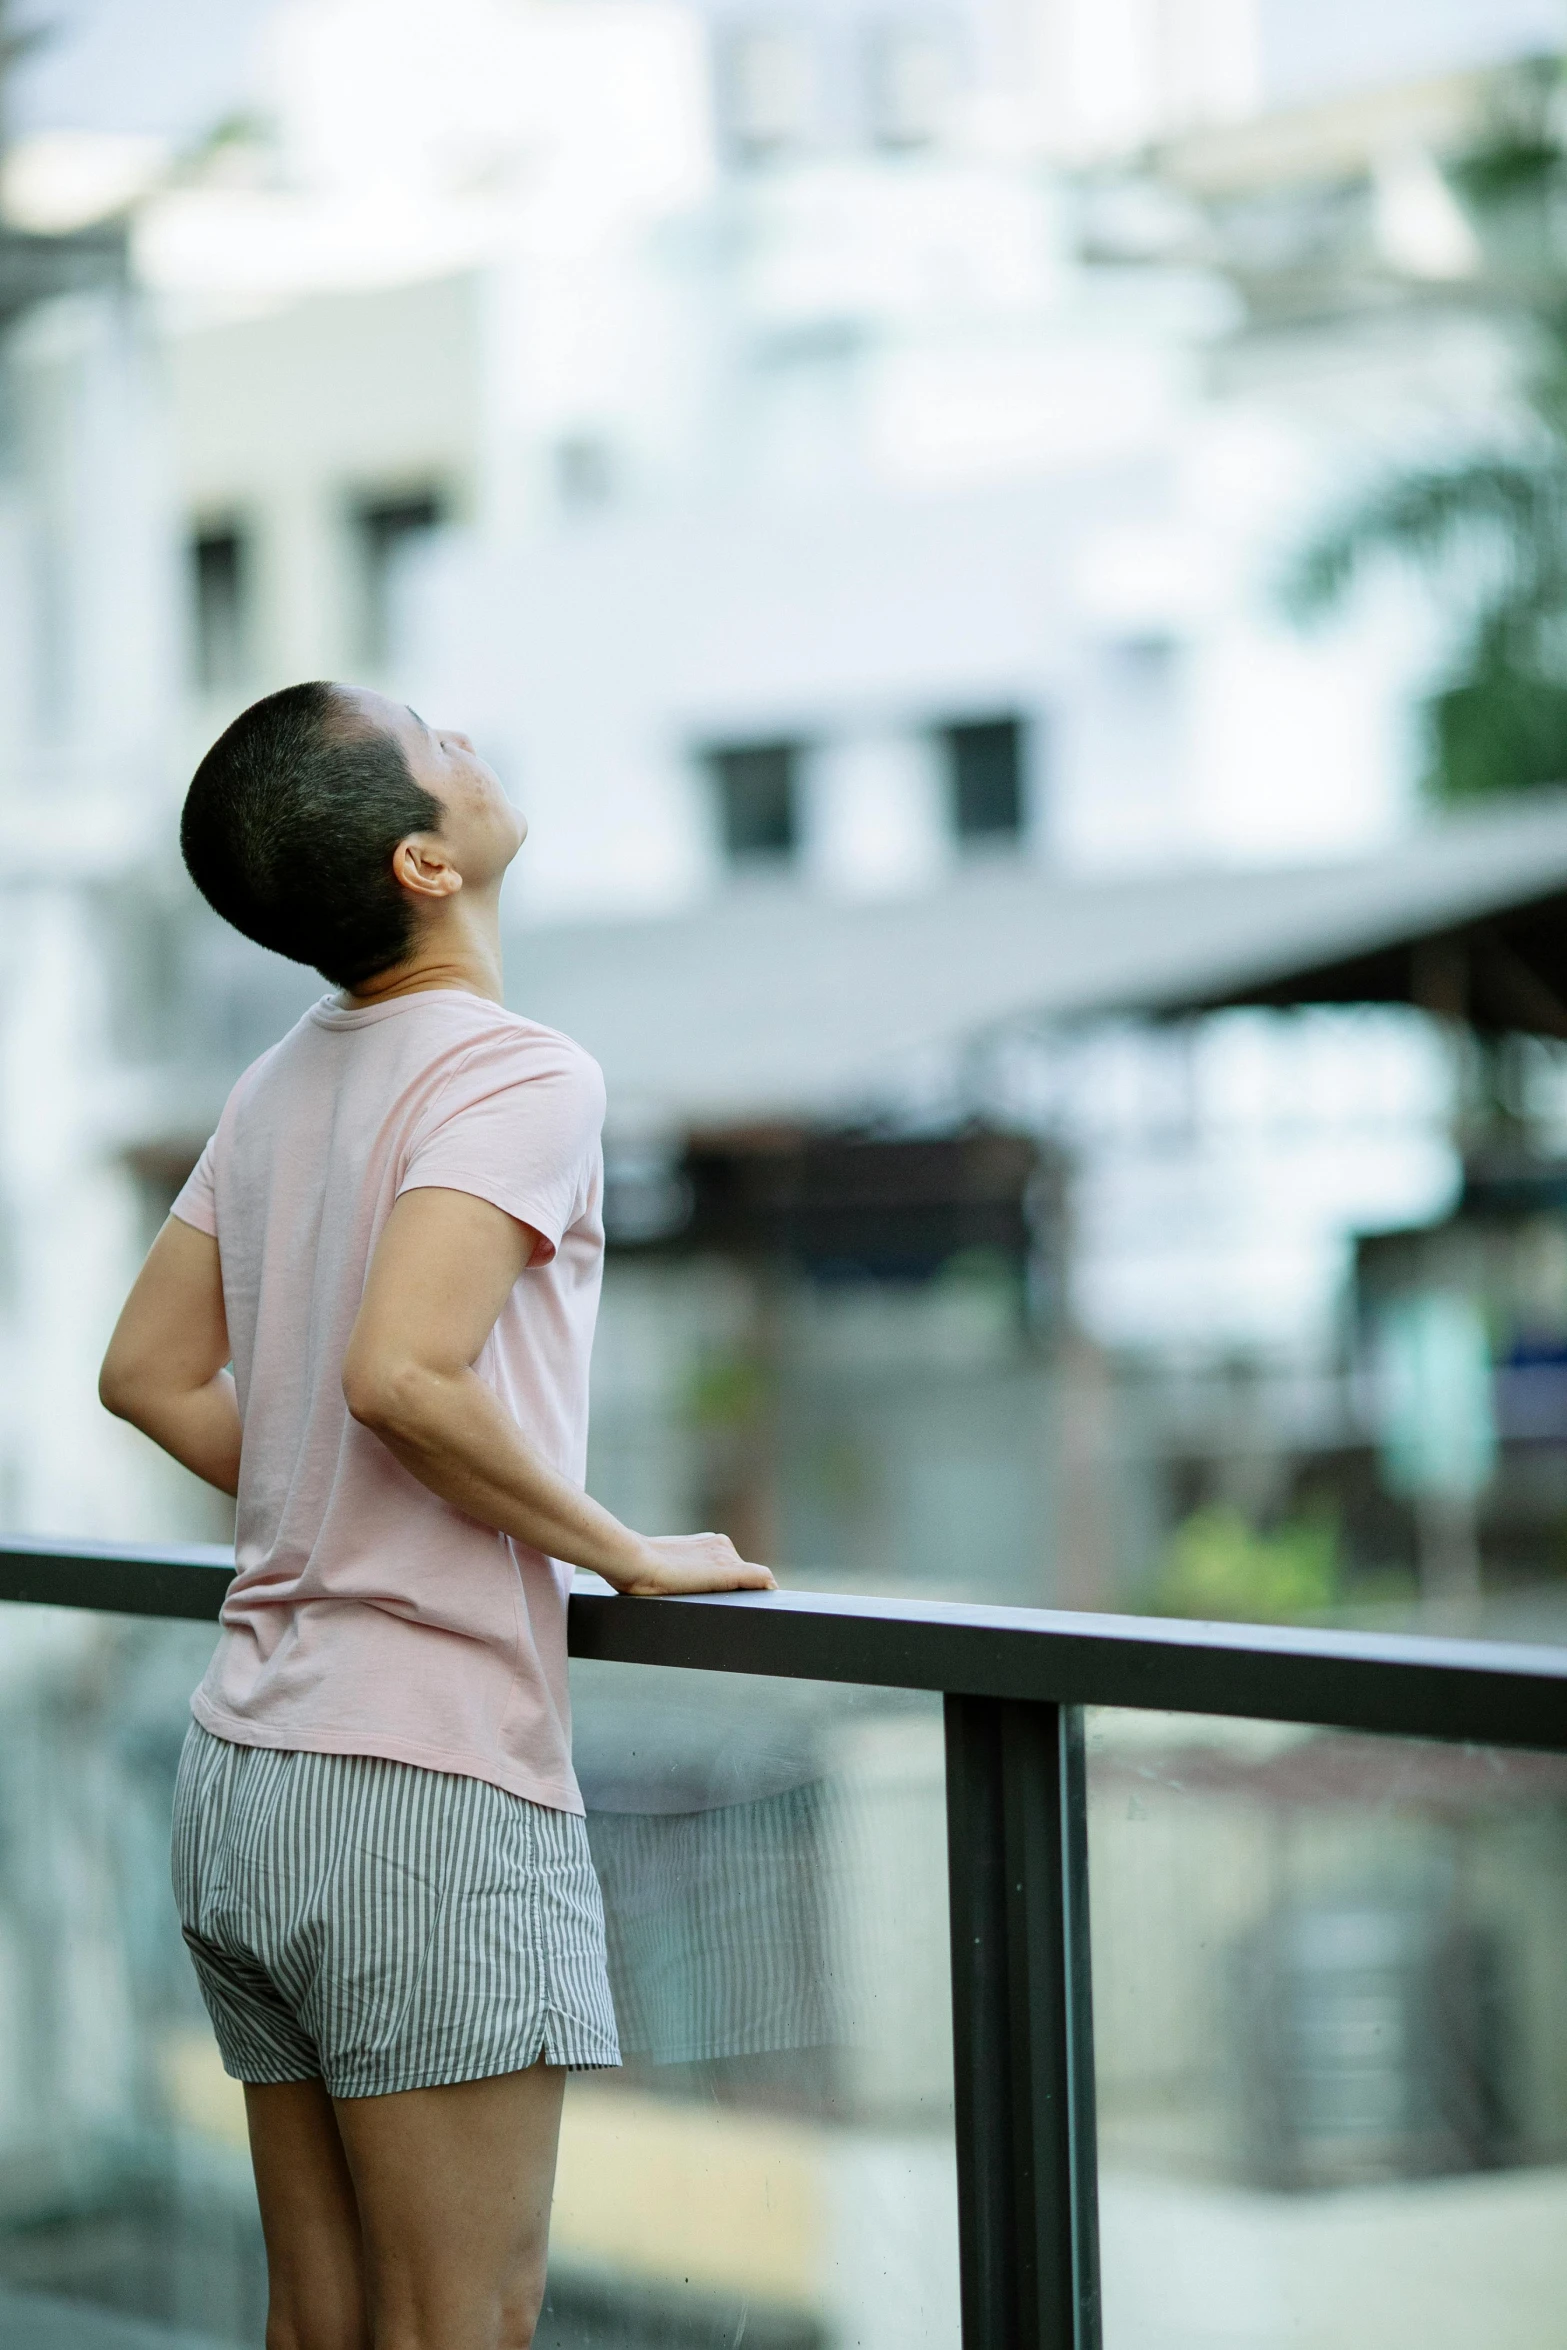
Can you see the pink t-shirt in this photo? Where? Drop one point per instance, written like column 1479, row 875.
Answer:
column 366, row 1616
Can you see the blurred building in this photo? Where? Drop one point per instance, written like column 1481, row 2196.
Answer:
column 838, row 461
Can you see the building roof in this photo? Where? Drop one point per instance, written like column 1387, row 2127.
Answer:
column 771, row 1001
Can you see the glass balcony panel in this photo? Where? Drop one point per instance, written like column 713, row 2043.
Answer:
column 775, row 2161
column 127, row 2214
column 1331, row 2038
column 774, row 2164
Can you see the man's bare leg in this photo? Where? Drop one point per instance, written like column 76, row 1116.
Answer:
column 310, row 2219
column 453, row 2187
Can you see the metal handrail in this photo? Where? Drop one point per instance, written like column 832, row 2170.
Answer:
column 1405, row 1684
column 1014, row 1682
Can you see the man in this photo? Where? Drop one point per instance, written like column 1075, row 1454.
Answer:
column 394, row 1240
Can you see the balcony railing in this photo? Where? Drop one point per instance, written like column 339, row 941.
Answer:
column 1014, row 1684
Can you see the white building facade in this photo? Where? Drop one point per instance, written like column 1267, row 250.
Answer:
column 754, row 433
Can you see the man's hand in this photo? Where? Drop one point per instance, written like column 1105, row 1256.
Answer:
column 691, row 1562
column 442, row 1270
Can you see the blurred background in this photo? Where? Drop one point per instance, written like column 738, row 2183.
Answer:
column 1013, row 552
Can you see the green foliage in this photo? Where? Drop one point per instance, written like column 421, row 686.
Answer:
column 1492, row 529
column 1514, row 168
column 1502, row 729
column 1517, row 158
column 727, row 1391
column 1500, row 515
column 1219, row 1566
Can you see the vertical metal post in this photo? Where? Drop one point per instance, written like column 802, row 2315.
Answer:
column 1017, row 1849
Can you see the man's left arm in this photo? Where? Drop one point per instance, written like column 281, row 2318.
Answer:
column 166, row 1368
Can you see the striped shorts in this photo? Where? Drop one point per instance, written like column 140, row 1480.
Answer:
column 380, row 1927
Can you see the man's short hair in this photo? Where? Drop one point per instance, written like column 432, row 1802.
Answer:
column 289, row 827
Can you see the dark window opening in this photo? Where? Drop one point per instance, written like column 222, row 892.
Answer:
column 385, row 527
column 844, row 1206
column 913, row 81
column 768, row 86
column 985, row 778
column 220, row 600
column 584, row 470
column 757, row 786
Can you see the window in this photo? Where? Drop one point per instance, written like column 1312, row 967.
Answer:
column 584, row 470
column 220, row 606
column 758, row 791
column 984, row 758
column 769, row 91
column 913, row 83
column 1142, row 665
column 385, row 528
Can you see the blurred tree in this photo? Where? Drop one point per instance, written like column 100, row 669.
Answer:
column 1220, row 1567
column 1492, row 526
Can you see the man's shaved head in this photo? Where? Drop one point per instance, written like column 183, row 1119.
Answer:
column 289, row 827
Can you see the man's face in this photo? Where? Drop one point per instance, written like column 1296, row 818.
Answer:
column 481, row 830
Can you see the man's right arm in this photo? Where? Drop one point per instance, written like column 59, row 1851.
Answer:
column 443, row 1268
column 166, row 1368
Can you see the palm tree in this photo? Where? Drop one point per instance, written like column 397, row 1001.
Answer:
column 1493, row 526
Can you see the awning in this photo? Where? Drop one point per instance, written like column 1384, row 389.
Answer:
column 774, row 1001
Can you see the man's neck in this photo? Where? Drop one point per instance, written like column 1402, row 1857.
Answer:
column 464, row 955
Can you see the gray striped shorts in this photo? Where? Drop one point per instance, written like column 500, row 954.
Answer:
column 380, row 1927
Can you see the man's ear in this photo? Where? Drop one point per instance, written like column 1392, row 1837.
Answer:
column 421, row 865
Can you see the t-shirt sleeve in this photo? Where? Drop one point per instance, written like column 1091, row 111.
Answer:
column 518, row 1125
column 196, row 1201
